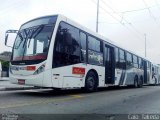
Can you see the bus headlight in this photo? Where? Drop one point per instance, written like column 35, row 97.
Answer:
column 39, row 70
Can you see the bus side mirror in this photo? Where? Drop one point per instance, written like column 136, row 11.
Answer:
column 10, row 36
column 6, row 38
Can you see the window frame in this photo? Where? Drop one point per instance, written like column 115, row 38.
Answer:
column 83, row 61
column 127, row 60
column 127, row 57
column 54, row 48
column 120, row 54
column 100, row 41
column 135, row 63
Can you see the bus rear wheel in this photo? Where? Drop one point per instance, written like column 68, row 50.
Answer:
column 135, row 82
column 56, row 89
column 140, row 82
column 90, row 83
column 155, row 82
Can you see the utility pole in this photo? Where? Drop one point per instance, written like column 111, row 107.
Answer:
column 97, row 16
column 145, row 45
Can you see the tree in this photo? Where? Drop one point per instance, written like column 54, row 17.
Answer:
column 5, row 65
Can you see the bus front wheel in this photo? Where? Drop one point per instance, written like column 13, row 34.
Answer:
column 90, row 83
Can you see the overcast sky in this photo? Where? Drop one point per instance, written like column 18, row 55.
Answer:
column 122, row 21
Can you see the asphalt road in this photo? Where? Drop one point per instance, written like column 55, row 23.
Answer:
column 144, row 100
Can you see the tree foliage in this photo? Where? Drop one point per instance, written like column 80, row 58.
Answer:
column 5, row 64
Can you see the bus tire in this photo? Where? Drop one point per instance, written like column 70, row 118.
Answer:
column 140, row 84
column 90, row 82
column 56, row 89
column 155, row 82
column 135, row 82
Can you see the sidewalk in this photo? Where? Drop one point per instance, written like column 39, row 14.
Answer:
column 4, row 78
column 6, row 85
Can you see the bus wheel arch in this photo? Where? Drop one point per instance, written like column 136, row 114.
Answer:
column 91, row 81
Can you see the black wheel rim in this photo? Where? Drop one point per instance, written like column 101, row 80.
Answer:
column 91, row 83
column 136, row 84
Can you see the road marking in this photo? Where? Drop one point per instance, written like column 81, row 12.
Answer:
column 31, row 90
column 76, row 96
column 41, row 102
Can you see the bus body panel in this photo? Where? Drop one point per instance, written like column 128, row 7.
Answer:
column 129, row 80
column 43, row 79
column 118, row 73
column 31, row 80
column 47, row 80
column 65, row 77
column 154, row 77
column 126, row 77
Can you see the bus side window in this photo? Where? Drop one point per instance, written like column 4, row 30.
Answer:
column 67, row 46
column 116, row 57
column 83, row 39
column 95, row 51
column 135, row 61
column 129, row 60
column 122, row 62
column 140, row 63
column 153, row 69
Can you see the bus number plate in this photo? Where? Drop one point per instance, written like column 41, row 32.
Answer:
column 21, row 82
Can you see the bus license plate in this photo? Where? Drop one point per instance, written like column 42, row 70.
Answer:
column 21, row 82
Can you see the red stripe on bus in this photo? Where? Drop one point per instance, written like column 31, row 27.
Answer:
column 35, row 57
column 78, row 70
column 31, row 68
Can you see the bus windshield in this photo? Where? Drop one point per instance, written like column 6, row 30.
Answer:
column 33, row 39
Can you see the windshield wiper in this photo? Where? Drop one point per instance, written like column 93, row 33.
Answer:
column 26, row 33
column 20, row 35
column 35, row 33
column 21, row 38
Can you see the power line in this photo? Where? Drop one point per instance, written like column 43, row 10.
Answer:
column 153, row 17
column 135, row 21
column 129, row 23
column 158, row 5
column 138, row 35
column 141, row 9
column 149, row 11
column 137, row 10
column 151, row 14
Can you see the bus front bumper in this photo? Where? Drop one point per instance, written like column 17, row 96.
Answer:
column 31, row 80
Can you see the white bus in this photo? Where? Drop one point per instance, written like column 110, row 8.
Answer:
column 56, row 52
column 155, row 75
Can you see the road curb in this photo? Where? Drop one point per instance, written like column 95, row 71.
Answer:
column 2, row 88
column 4, row 79
column 16, row 88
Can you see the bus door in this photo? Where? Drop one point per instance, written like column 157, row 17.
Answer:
column 109, row 65
column 145, row 72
